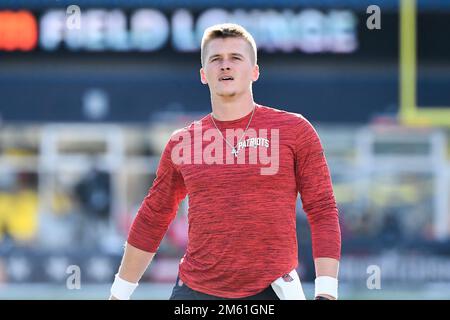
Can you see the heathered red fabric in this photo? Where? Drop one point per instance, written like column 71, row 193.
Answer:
column 242, row 225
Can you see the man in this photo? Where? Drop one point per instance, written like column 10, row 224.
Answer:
column 242, row 233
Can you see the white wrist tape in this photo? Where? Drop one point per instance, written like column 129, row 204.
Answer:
column 326, row 285
column 122, row 289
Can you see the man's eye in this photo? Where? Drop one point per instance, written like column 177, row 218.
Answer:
column 237, row 58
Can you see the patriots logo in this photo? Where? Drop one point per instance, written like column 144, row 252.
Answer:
column 287, row 278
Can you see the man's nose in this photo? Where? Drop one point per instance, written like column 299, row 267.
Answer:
column 225, row 65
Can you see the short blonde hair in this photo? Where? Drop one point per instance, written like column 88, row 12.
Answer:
column 227, row 30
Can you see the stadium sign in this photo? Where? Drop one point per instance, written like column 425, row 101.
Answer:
column 150, row 30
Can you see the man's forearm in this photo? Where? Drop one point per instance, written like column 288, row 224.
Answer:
column 134, row 263
column 327, row 267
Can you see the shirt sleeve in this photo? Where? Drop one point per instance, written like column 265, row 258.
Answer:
column 316, row 192
column 159, row 207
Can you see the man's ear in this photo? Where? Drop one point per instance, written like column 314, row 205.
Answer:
column 255, row 74
column 203, row 77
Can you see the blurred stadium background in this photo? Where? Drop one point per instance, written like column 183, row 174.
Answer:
column 87, row 105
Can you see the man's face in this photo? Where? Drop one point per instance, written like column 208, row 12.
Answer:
column 228, row 67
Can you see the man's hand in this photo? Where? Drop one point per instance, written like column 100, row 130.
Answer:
column 324, row 297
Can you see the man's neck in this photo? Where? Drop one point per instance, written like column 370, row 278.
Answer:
column 231, row 109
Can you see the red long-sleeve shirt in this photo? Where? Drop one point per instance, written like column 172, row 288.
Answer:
column 242, row 219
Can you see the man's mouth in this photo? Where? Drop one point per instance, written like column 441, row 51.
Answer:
column 226, row 78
